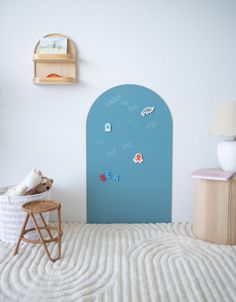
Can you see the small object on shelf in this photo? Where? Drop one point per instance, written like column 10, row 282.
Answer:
column 53, row 45
column 214, row 174
column 61, row 64
column 147, row 111
column 138, row 158
column 53, row 75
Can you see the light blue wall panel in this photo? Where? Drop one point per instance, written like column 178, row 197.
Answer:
column 143, row 191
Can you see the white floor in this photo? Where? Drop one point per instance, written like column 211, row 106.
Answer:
column 132, row 263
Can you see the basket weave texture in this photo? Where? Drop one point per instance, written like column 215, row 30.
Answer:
column 12, row 216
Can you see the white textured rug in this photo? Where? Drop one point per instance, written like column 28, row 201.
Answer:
column 112, row 263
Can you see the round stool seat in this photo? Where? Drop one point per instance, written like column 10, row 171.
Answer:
column 40, row 206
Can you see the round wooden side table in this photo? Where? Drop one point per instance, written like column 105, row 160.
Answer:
column 215, row 211
column 38, row 207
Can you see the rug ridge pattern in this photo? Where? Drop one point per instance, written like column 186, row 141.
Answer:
column 121, row 263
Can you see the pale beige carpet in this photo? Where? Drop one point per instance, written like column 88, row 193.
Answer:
column 114, row 263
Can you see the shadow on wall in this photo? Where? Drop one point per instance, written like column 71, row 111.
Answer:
column 70, row 203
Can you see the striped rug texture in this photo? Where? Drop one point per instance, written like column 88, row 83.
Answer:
column 121, row 263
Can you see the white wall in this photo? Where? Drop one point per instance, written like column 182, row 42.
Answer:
column 184, row 50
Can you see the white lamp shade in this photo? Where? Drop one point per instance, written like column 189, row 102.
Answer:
column 224, row 120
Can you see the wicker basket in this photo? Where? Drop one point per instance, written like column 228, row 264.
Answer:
column 12, row 215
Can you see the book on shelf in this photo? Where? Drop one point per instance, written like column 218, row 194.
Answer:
column 214, row 174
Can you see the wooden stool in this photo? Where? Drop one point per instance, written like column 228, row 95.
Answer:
column 39, row 207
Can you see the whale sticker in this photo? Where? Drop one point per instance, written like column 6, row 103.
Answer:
column 147, row 111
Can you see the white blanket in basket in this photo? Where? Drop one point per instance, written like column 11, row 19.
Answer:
column 12, row 216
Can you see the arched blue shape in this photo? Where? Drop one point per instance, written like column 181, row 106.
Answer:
column 118, row 189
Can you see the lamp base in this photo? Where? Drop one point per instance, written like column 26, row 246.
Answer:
column 226, row 152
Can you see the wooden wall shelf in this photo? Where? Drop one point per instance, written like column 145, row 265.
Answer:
column 56, row 81
column 53, row 58
column 61, row 64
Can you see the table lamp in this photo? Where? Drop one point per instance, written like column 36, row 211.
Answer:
column 224, row 123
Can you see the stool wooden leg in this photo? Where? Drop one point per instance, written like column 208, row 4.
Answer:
column 46, row 227
column 59, row 232
column 42, row 240
column 41, row 236
column 21, row 234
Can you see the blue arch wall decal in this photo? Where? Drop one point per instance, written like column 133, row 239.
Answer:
column 118, row 189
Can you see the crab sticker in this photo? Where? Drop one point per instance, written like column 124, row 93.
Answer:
column 147, row 111
column 138, row 158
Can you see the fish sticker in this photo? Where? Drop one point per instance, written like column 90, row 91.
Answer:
column 138, row 158
column 147, row 111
